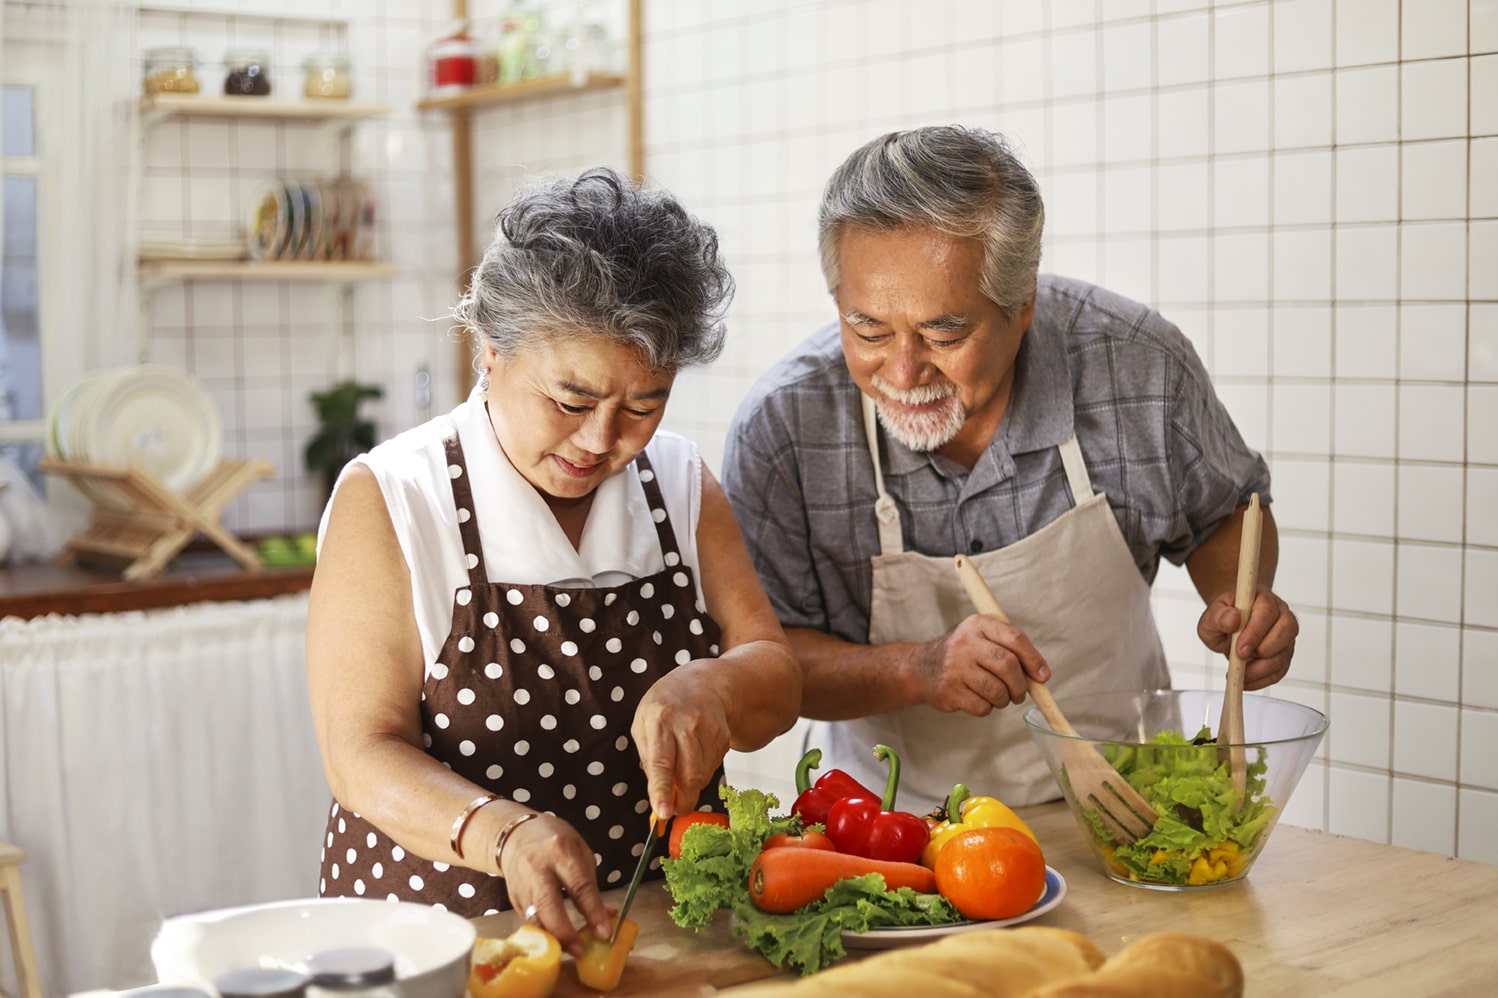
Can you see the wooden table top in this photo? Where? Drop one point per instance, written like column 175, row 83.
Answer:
column 1319, row 914
column 36, row 590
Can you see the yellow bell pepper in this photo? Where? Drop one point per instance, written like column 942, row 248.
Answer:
column 525, row 964
column 964, row 813
column 602, row 962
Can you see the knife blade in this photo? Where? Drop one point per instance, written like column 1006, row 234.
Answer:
column 658, row 828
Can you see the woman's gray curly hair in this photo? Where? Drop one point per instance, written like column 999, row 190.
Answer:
column 598, row 255
column 965, row 182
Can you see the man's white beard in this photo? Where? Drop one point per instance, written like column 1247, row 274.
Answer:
column 924, row 431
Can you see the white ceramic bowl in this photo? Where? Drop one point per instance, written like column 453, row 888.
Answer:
column 431, row 946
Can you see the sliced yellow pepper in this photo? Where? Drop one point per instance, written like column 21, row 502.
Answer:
column 525, row 964
column 970, row 813
column 602, row 962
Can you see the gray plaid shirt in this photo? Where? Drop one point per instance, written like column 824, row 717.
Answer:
column 1155, row 437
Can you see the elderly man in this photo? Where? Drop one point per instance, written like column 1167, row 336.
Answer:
column 1061, row 436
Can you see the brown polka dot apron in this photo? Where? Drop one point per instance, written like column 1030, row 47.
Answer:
column 531, row 698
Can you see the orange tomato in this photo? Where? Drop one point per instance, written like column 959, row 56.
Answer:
column 682, row 822
column 991, row 872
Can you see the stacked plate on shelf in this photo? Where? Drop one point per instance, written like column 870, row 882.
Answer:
column 311, row 220
column 154, row 417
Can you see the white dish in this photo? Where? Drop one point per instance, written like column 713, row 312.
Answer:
column 914, row 935
column 430, row 945
column 152, row 416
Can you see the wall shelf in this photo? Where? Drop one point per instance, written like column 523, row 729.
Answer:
column 458, row 107
column 337, row 271
column 156, row 107
column 533, row 89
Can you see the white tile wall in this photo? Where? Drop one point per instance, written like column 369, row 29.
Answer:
column 1309, row 188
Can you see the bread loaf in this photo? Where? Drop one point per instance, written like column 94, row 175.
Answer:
column 1028, row 962
column 1184, row 951
column 984, row 963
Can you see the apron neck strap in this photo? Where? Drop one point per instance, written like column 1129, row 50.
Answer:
column 1076, row 471
column 468, row 523
column 886, row 514
column 657, row 502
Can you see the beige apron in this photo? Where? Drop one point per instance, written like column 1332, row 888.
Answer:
column 1072, row 587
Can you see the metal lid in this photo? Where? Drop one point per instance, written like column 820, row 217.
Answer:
column 172, row 53
column 260, row 982
column 351, row 966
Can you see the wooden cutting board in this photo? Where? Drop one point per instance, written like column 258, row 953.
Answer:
column 667, row 960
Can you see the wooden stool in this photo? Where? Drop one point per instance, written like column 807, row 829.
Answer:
column 15, row 918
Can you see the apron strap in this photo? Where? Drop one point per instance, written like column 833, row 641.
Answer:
column 468, row 523
column 1076, row 471
column 886, row 513
column 657, row 504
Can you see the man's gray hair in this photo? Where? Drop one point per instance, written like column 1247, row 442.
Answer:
column 964, row 182
column 599, row 255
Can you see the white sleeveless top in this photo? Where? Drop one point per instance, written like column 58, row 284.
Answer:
column 522, row 541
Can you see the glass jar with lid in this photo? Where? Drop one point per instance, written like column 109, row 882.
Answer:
column 171, row 69
column 327, row 76
column 248, row 73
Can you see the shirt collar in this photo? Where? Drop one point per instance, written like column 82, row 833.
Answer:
column 520, row 531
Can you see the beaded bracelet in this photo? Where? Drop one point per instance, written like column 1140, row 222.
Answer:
column 462, row 820
column 504, row 833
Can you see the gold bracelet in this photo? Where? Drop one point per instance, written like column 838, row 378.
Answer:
column 504, row 833
column 462, row 820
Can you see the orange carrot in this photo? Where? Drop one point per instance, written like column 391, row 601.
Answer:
column 783, row 880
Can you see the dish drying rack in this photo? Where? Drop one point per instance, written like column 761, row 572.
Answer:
column 138, row 524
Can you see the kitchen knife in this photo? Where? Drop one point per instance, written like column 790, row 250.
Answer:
column 658, row 828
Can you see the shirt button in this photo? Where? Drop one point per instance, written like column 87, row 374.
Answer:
column 975, row 547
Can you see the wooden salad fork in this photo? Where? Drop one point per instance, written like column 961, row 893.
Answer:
column 1230, row 725
column 1093, row 781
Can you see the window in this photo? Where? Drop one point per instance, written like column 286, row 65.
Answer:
column 21, row 400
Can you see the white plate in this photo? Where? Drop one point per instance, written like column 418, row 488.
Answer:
column 153, row 416
column 914, row 935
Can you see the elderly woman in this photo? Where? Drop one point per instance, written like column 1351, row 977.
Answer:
column 534, row 620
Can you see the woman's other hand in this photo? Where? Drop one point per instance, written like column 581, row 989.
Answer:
column 541, row 858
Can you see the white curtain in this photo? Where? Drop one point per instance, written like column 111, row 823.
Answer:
column 155, row 763
column 98, row 170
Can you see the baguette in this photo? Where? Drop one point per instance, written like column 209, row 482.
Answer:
column 1031, row 961
column 1161, row 965
column 1187, row 952
column 984, row 963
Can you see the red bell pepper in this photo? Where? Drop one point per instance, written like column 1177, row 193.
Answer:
column 814, row 802
column 870, row 827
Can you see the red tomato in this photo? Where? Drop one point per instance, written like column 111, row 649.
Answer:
column 682, row 822
column 806, row 840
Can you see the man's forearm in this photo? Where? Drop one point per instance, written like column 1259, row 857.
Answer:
column 1213, row 566
column 843, row 680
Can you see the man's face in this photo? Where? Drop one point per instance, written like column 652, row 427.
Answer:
column 920, row 338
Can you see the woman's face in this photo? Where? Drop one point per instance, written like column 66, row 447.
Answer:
column 573, row 410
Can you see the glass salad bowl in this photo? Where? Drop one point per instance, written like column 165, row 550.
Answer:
column 1205, row 834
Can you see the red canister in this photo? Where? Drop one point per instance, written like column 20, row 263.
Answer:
column 453, row 64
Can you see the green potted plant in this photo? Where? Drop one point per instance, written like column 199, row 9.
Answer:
column 343, row 434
